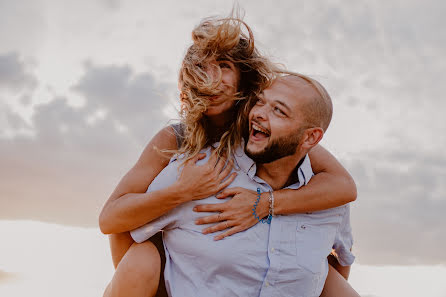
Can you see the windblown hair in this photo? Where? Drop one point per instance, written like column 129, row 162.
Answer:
column 221, row 39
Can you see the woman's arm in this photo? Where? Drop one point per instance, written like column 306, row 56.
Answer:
column 130, row 207
column 331, row 186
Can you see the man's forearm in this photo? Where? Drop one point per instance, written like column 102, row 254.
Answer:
column 133, row 210
column 324, row 191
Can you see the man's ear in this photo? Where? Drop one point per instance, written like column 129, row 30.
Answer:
column 312, row 136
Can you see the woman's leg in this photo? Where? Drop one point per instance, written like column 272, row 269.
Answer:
column 137, row 273
column 147, row 259
column 337, row 286
column 119, row 245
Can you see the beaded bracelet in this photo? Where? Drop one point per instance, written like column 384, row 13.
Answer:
column 271, row 203
column 268, row 219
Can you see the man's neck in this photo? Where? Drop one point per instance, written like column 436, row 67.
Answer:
column 280, row 173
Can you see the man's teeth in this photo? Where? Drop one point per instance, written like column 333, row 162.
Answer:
column 259, row 129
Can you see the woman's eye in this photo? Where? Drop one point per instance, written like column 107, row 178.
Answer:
column 224, row 65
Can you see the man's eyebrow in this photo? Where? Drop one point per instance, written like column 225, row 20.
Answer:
column 261, row 96
column 283, row 104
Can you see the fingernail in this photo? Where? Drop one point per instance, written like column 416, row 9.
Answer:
column 194, row 209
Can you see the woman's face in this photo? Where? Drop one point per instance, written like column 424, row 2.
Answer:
column 230, row 78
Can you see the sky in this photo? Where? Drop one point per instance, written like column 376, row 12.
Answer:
column 84, row 85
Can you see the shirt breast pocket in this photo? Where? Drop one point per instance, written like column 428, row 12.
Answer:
column 315, row 236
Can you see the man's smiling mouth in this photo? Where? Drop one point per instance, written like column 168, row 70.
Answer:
column 258, row 132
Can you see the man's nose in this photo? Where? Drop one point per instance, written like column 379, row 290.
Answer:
column 259, row 112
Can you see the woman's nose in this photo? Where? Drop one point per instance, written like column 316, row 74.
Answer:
column 211, row 71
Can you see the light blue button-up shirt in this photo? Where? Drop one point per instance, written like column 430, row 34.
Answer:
column 286, row 258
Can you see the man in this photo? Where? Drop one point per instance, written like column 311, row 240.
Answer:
column 285, row 258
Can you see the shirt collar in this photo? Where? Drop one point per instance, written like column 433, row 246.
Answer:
column 247, row 165
column 304, row 173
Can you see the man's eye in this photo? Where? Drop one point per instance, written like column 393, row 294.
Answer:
column 278, row 110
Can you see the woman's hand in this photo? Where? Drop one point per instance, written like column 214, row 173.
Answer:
column 236, row 214
column 201, row 181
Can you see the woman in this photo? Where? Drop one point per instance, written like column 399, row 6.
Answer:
column 222, row 70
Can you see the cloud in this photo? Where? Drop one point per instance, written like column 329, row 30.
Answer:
column 66, row 171
column 398, row 215
column 112, row 4
column 23, row 26
column 13, row 73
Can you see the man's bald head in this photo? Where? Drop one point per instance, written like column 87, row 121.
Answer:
column 316, row 107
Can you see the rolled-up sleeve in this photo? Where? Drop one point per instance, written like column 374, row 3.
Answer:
column 146, row 231
column 344, row 241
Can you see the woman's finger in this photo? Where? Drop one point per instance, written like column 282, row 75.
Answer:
column 230, row 192
column 194, row 160
column 226, row 183
column 220, row 164
column 225, row 172
column 200, row 156
column 213, row 159
column 210, row 207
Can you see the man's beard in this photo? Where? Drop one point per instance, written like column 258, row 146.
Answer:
column 278, row 148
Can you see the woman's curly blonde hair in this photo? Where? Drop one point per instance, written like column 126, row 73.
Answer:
column 220, row 39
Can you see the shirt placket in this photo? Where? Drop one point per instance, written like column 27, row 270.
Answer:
column 268, row 287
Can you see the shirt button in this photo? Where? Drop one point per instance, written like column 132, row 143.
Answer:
column 272, row 250
column 266, row 284
column 303, row 227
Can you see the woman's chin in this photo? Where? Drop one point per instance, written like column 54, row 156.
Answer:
column 217, row 110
